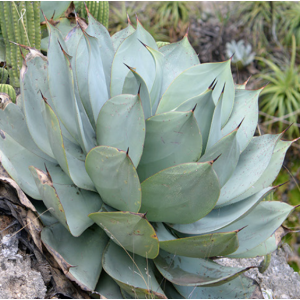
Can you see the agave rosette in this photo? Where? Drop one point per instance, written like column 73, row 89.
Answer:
column 147, row 163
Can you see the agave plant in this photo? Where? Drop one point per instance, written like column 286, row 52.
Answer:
column 146, row 162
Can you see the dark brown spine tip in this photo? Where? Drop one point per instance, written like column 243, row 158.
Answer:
column 53, row 15
column 143, row 43
column 232, row 56
column 44, row 98
column 246, row 82
column 48, row 174
column 285, row 130
column 238, row 230
column 144, row 215
column 127, row 66
column 187, row 32
column 86, row 8
column 139, row 91
column 127, row 152
column 194, row 107
column 240, row 124
column 128, row 20
column 214, row 160
column 279, row 185
column 44, row 16
column 295, row 140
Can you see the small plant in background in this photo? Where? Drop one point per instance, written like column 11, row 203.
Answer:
column 3, row 75
column 241, row 54
column 281, row 97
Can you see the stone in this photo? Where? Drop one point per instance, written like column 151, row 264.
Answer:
column 279, row 281
column 17, row 279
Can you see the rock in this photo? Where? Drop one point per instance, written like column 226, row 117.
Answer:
column 17, row 279
column 279, row 281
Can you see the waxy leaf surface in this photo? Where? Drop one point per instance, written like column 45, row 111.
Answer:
column 131, row 230
column 115, row 178
column 181, row 194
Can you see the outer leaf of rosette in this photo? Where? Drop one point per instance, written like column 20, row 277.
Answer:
column 181, row 194
column 260, row 224
column 68, row 155
column 80, row 258
column 133, row 83
column 252, row 164
column 129, row 230
column 16, row 159
column 61, row 87
column 271, row 172
column 32, row 78
column 132, row 53
column 66, row 202
column 245, row 109
column 223, row 216
column 171, row 138
column 186, row 271
column 200, row 246
column 198, row 79
column 118, row 38
column 121, row 125
column 241, row 287
column 203, row 113
column 105, row 45
column 115, row 178
column 228, row 148
column 133, row 273
column 179, row 56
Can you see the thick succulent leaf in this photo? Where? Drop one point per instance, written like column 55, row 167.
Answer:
column 72, row 39
column 16, row 159
column 115, row 178
column 133, row 83
column 215, row 133
column 105, row 45
column 157, row 84
column 179, row 56
column 171, row 138
column 79, row 257
column 197, row 80
column 12, row 122
column 134, row 274
column 241, row 287
column 73, row 165
column 32, row 79
column 121, row 125
column 181, row 194
column 107, row 287
column 201, row 246
column 271, row 172
column 252, row 164
column 129, row 230
column 66, row 202
column 245, row 109
column 228, row 148
column 92, row 85
column 133, row 53
column 118, row 38
column 193, row 272
column 266, row 247
column 203, row 113
column 61, row 87
column 260, row 224
column 223, row 216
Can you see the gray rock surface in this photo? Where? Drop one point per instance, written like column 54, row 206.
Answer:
column 279, row 281
column 17, row 279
